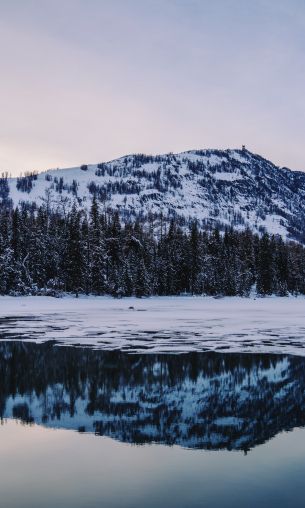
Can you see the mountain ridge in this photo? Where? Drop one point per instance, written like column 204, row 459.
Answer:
column 223, row 188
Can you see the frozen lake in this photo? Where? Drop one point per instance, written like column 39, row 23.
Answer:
column 160, row 324
column 98, row 409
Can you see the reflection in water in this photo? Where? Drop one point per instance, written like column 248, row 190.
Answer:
column 200, row 400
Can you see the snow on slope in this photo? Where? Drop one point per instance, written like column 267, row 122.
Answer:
column 230, row 187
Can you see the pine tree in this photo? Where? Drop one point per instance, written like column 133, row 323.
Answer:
column 74, row 261
column 281, row 268
column 45, row 252
column 265, row 266
column 194, row 258
column 97, row 255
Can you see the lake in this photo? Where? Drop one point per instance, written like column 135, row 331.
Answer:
column 92, row 428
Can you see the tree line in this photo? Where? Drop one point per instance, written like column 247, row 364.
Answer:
column 47, row 252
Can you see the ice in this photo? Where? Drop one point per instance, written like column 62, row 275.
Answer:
column 159, row 324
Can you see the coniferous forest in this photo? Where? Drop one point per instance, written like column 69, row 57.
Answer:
column 44, row 252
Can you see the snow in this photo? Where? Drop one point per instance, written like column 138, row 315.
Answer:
column 225, row 183
column 159, row 324
column 227, row 177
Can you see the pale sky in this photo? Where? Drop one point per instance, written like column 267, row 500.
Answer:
column 83, row 81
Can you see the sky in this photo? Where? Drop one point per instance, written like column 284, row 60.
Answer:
column 85, row 81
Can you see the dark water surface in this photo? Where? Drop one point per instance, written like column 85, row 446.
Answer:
column 193, row 430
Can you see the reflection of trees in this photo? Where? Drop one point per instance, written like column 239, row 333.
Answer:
column 204, row 400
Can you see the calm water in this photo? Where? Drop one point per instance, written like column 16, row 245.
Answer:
column 84, row 428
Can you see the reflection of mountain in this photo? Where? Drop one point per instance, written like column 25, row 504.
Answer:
column 200, row 400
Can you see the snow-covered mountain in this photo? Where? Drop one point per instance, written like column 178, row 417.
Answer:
column 230, row 187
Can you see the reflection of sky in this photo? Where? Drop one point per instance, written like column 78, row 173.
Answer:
column 46, row 468
column 85, row 81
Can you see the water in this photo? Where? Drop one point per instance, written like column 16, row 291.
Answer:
column 84, row 428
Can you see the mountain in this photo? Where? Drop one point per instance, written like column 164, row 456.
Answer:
column 223, row 188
